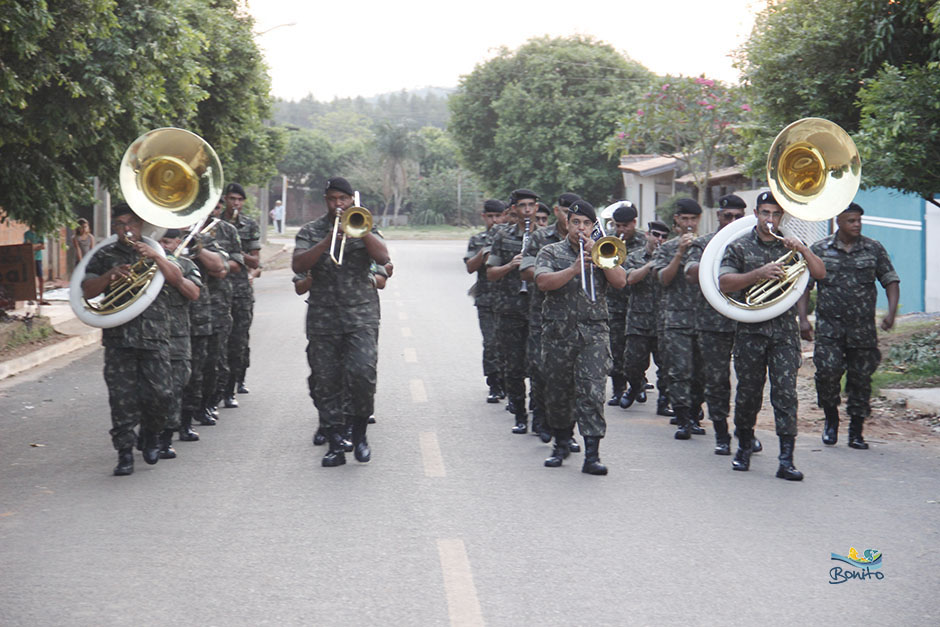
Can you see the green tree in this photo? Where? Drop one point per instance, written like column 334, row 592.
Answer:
column 436, row 151
column 396, row 145
column 540, row 116
column 448, row 195
column 310, row 159
column 689, row 119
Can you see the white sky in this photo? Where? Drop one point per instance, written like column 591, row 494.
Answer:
column 367, row 47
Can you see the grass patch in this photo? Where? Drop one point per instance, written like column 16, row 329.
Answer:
column 914, row 361
column 19, row 332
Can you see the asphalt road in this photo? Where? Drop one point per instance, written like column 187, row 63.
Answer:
column 455, row 521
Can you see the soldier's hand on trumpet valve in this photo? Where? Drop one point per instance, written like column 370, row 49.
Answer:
column 770, row 271
column 119, row 272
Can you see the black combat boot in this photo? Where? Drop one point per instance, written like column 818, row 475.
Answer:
column 561, row 451
column 696, row 417
column 756, row 446
column 641, row 395
column 205, row 417
column 787, row 470
column 186, row 428
column 684, row 432
column 855, row 433
column 493, row 383
column 628, row 398
column 166, row 444
column 522, row 421
column 319, row 438
column 742, row 458
column 149, row 446
column 240, row 384
column 361, row 446
column 592, row 458
column 619, row 383
column 573, row 445
column 722, row 437
column 831, row 429
column 539, row 427
column 662, row 407
column 501, row 386
column 336, row 456
column 125, row 465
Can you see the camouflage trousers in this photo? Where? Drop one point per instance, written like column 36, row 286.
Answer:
column 576, row 366
column 139, row 391
column 216, row 372
column 242, row 316
column 534, row 361
column 491, row 360
column 757, row 358
column 192, row 392
column 684, row 368
column 833, row 357
column 715, row 349
column 182, row 368
column 636, row 360
column 513, row 333
column 617, row 322
column 343, row 374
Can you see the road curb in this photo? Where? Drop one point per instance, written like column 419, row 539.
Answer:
column 15, row 366
column 926, row 400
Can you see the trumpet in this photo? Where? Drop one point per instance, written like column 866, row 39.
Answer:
column 356, row 222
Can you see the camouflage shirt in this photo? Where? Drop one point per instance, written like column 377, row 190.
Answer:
column 539, row 240
column 643, row 306
column 178, row 307
column 707, row 317
column 747, row 253
column 200, row 311
column 678, row 300
column 617, row 299
column 848, row 292
column 569, row 302
column 484, row 290
column 221, row 290
column 341, row 297
column 249, row 239
column 151, row 329
column 507, row 243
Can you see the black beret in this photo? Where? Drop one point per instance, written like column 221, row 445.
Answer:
column 339, row 184
column 235, row 188
column 120, row 209
column 583, row 208
column 766, row 198
column 854, row 208
column 519, row 194
column 731, row 201
column 543, row 208
column 494, row 206
column 173, row 234
column 625, row 213
column 688, row 206
column 656, row 225
column 567, row 198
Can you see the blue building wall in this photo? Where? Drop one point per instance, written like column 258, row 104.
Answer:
column 897, row 221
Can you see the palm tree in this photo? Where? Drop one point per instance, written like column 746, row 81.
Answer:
column 396, row 145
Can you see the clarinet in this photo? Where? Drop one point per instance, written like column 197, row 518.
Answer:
column 524, row 288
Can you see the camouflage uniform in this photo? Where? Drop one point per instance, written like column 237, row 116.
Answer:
column 617, row 303
column 575, row 346
column 136, row 359
column 180, row 345
column 342, row 328
column 761, row 348
column 200, row 329
column 846, row 339
column 641, row 330
column 484, row 296
column 513, row 311
column 678, row 310
column 538, row 240
column 714, row 337
column 243, row 299
column 220, row 291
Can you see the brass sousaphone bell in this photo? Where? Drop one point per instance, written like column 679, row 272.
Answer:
column 171, row 178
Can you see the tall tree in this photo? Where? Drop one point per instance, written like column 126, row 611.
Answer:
column 539, row 116
column 396, row 145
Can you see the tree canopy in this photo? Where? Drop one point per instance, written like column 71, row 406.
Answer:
column 540, row 116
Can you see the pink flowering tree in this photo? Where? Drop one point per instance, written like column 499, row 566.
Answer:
column 690, row 119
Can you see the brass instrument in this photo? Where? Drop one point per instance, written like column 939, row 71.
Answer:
column 356, row 222
column 609, row 251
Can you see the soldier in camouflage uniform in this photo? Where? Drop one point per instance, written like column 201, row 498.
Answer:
column 678, row 307
column 624, row 217
column 178, row 303
column 575, row 339
column 714, row 333
column 541, row 238
column 243, row 298
column 478, row 248
column 226, row 239
column 542, row 213
column 136, row 353
column 770, row 348
column 212, row 263
column 846, row 339
column 342, row 324
column 512, row 304
column 642, row 314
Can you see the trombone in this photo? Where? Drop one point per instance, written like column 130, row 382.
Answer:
column 609, row 251
column 356, row 222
